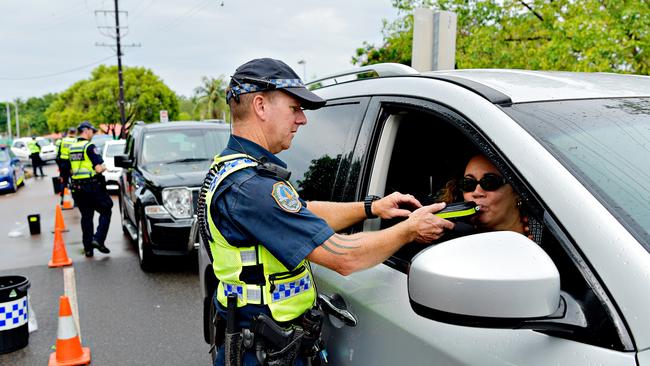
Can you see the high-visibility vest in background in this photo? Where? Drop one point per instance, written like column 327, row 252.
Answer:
column 64, row 147
column 34, row 148
column 287, row 293
column 80, row 164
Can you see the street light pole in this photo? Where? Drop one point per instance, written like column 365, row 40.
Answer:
column 304, row 69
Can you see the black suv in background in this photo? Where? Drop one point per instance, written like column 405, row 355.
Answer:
column 164, row 166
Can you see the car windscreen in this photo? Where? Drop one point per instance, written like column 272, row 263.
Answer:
column 43, row 142
column 4, row 155
column 182, row 146
column 606, row 144
column 114, row 149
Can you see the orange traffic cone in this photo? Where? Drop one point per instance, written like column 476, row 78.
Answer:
column 59, row 224
column 68, row 345
column 67, row 199
column 59, row 254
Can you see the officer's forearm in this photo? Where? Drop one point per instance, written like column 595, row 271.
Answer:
column 347, row 254
column 338, row 215
column 100, row 168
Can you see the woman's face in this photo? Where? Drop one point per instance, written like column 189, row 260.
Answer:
column 499, row 209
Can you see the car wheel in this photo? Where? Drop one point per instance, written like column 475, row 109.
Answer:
column 123, row 219
column 14, row 187
column 144, row 252
column 209, row 329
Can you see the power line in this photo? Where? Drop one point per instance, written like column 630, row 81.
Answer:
column 59, row 73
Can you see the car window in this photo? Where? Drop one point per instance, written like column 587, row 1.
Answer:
column 43, row 142
column 19, row 144
column 4, row 155
column 604, row 142
column 114, row 149
column 181, row 146
column 319, row 151
column 412, row 164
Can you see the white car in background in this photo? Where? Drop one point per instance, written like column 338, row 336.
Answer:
column 112, row 173
column 20, row 148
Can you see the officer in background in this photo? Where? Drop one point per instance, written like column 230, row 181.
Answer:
column 35, row 155
column 89, row 189
column 262, row 236
column 63, row 159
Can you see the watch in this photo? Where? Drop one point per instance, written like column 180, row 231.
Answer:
column 367, row 204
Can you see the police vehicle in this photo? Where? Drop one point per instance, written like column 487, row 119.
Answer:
column 163, row 166
column 12, row 172
column 575, row 148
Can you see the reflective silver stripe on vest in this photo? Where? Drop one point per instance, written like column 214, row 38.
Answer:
column 248, row 257
column 253, row 292
column 286, row 290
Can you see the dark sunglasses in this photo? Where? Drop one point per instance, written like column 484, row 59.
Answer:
column 489, row 182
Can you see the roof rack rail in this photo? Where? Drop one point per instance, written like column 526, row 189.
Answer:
column 382, row 70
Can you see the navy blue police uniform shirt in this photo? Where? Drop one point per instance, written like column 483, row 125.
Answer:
column 246, row 210
column 92, row 152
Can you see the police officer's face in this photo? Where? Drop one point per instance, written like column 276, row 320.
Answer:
column 284, row 117
column 498, row 207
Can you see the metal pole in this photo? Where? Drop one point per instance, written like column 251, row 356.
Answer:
column 8, row 121
column 119, row 70
column 17, row 123
column 304, row 69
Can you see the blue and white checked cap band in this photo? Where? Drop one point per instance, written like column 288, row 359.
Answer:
column 244, row 88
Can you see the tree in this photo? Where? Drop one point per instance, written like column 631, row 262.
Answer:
column 572, row 35
column 211, row 98
column 32, row 115
column 96, row 99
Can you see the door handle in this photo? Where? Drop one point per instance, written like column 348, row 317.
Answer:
column 335, row 306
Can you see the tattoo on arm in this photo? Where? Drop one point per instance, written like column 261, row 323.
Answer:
column 338, row 245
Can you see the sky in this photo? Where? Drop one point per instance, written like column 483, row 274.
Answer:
column 46, row 46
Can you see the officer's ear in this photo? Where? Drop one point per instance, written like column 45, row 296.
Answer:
column 259, row 105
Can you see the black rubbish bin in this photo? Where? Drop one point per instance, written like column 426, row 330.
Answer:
column 14, row 313
column 34, row 224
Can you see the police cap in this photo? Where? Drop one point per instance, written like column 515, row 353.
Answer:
column 268, row 74
column 84, row 125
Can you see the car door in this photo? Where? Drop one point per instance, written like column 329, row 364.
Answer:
column 414, row 147
column 127, row 175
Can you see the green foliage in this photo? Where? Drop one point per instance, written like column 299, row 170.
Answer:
column 573, row 35
column 210, row 98
column 96, row 99
column 32, row 115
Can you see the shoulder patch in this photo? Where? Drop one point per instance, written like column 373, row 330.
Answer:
column 285, row 197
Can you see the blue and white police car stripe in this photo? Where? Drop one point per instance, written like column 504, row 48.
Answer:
column 290, row 289
column 13, row 314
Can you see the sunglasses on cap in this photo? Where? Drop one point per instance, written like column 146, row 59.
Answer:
column 489, row 182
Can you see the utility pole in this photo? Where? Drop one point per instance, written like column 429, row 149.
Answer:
column 117, row 36
column 8, row 121
column 17, row 124
column 304, row 69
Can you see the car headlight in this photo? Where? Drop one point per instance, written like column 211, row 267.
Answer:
column 178, row 202
column 4, row 171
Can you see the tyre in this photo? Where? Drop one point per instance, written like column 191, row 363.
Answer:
column 14, row 186
column 123, row 219
column 145, row 255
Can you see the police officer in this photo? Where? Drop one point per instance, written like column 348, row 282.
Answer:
column 63, row 159
column 263, row 236
column 89, row 189
column 35, row 155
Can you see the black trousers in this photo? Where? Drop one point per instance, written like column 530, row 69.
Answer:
column 37, row 163
column 88, row 200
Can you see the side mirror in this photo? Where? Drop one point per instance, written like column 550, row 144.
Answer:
column 122, row 161
column 15, row 161
column 493, row 280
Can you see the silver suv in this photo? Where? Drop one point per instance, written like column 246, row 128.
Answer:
column 575, row 147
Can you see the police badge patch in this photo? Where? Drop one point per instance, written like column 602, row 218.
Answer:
column 286, row 198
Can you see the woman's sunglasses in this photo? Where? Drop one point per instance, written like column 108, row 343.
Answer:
column 489, row 182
